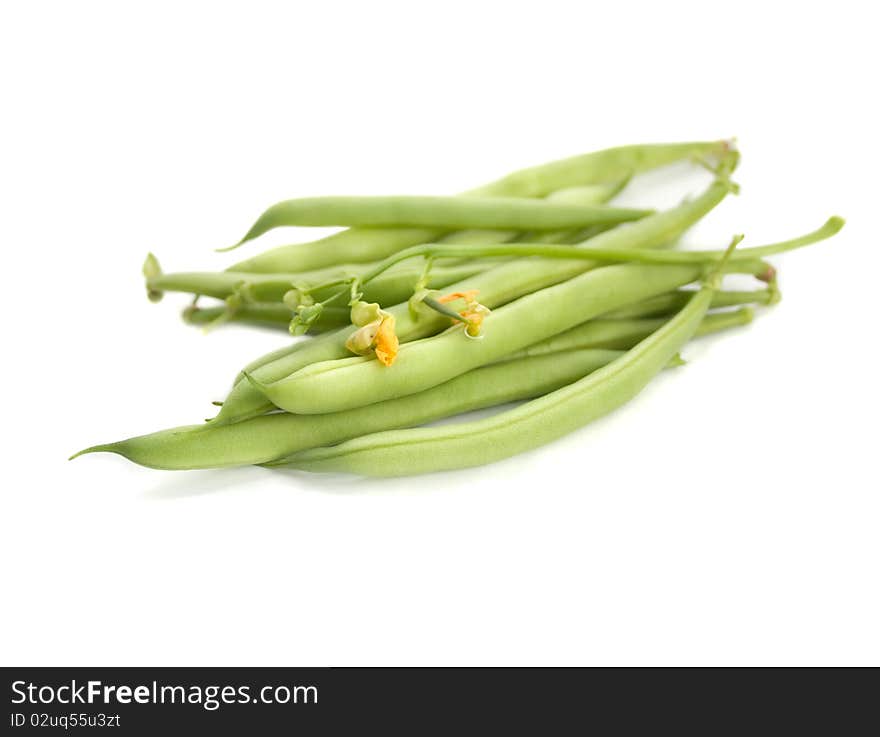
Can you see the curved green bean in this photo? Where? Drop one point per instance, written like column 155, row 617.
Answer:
column 265, row 438
column 267, row 314
column 624, row 334
column 259, row 313
column 447, row 213
column 596, row 168
column 540, row 421
column 664, row 304
column 394, row 284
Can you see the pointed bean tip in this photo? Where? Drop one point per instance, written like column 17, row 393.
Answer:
column 152, row 271
column 93, row 449
column 151, row 268
column 255, row 383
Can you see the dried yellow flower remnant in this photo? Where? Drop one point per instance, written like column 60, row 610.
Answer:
column 376, row 337
column 387, row 343
column 473, row 313
column 474, row 316
column 468, row 296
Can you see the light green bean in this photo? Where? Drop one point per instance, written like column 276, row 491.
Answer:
column 272, row 436
column 625, row 333
column 447, row 213
column 266, row 314
column 664, row 304
column 393, row 284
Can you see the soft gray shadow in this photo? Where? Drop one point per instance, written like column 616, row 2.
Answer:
column 343, row 484
column 188, row 484
column 184, row 484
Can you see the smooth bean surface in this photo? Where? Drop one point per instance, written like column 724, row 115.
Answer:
column 447, row 213
column 625, row 333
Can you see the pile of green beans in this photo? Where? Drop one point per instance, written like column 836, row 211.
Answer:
column 533, row 294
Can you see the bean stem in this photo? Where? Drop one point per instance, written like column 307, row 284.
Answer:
column 588, row 253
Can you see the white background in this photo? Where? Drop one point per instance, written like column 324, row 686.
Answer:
column 727, row 516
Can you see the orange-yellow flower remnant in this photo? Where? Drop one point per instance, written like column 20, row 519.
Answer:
column 473, row 313
column 375, row 334
column 387, row 343
column 468, row 296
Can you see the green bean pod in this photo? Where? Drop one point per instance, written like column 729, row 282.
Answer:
column 496, row 287
column 664, row 304
column 272, row 313
column 446, row 213
column 266, row 438
column 396, row 284
column 535, row 423
column 265, row 314
column 340, row 384
column 623, row 334
column 369, row 244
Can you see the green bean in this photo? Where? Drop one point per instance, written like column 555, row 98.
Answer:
column 586, row 195
column 271, row 314
column 535, row 423
column 394, row 284
column 664, row 304
column 496, row 286
column 260, row 313
column 607, row 165
column 272, row 436
column 564, row 210
column 447, row 213
column 624, row 334
column 369, row 244
column 332, row 386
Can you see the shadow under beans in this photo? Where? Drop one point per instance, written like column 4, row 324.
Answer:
column 184, row 484
column 188, row 484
